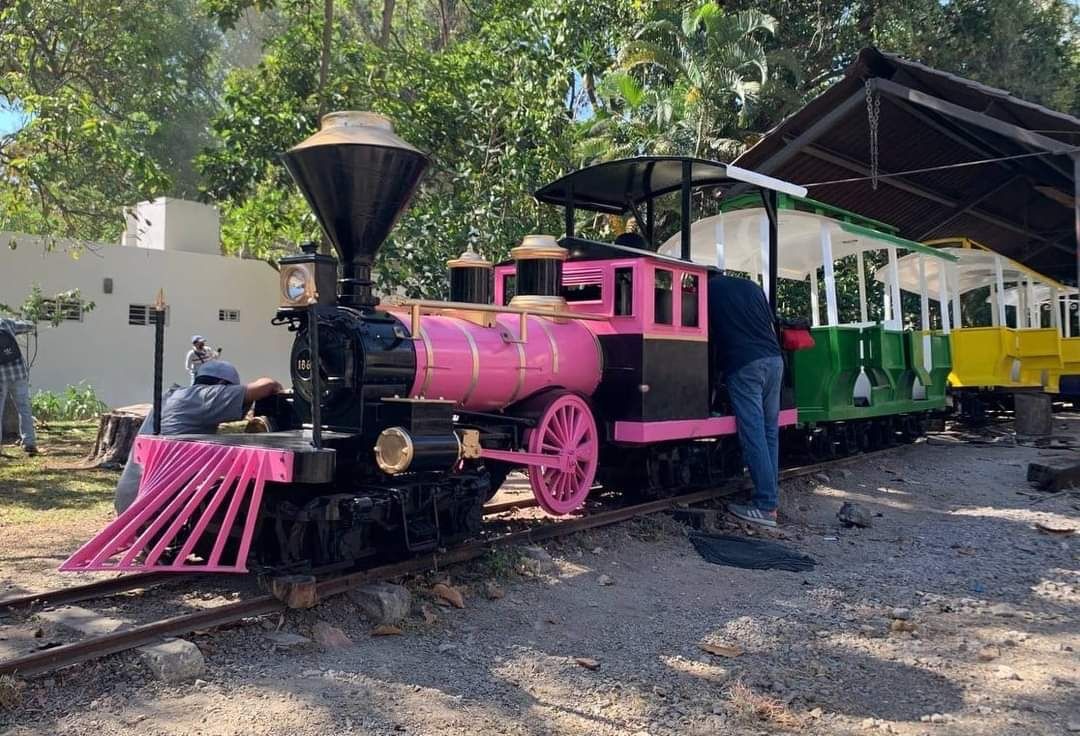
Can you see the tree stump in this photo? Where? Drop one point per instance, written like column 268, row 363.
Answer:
column 117, row 430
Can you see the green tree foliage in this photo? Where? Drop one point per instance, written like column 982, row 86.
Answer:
column 685, row 82
column 490, row 91
column 116, row 95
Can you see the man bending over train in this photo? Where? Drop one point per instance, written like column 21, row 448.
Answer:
column 216, row 396
column 747, row 351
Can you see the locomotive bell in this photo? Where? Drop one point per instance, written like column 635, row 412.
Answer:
column 358, row 177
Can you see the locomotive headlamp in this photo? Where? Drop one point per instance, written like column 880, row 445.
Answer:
column 307, row 279
column 297, row 285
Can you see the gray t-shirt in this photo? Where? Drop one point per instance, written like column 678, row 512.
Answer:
column 187, row 410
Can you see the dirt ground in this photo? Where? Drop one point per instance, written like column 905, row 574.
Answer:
column 988, row 608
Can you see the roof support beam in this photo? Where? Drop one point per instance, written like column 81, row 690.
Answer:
column 896, row 183
column 978, row 119
column 983, row 148
column 811, row 134
column 963, row 208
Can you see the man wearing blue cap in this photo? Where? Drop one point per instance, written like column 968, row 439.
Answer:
column 216, row 396
column 199, row 355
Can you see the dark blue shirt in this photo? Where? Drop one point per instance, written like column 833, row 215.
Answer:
column 740, row 323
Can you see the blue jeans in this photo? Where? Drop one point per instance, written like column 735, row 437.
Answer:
column 755, row 395
column 20, row 394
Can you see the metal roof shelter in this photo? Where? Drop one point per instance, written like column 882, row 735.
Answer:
column 1025, row 208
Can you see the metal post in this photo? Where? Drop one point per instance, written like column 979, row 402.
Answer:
column 769, row 199
column 894, row 287
column 650, row 217
column 159, row 355
column 719, row 233
column 815, row 304
column 687, row 173
column 568, row 213
column 832, row 314
column 862, row 287
column 316, row 378
column 999, row 284
column 1076, row 212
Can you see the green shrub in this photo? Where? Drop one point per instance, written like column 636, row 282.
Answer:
column 77, row 402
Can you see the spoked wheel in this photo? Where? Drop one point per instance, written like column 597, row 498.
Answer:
column 567, row 432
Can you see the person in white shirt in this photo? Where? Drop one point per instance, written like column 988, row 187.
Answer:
column 198, row 355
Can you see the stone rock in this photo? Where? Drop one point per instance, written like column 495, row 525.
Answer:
column 447, row 595
column 286, row 640
column 902, row 614
column 898, row 625
column 175, row 660
column 868, row 723
column 1073, row 725
column 83, row 620
column 822, row 478
column 852, row 514
column 988, row 654
column 605, row 580
column 937, row 718
column 383, row 603
column 1004, row 610
column 816, row 713
column 493, row 591
column 1006, row 673
column 330, row 637
column 535, row 561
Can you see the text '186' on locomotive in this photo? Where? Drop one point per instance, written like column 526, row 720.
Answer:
column 584, row 363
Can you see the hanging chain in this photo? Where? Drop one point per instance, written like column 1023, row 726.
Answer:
column 873, row 116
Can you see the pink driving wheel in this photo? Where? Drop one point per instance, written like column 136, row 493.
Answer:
column 567, row 431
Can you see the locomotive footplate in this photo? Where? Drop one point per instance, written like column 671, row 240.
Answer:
column 310, row 465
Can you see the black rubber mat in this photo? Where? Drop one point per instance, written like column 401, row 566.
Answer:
column 751, row 554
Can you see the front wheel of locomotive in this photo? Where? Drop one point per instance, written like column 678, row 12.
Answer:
column 567, row 432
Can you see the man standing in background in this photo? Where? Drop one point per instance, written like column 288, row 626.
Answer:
column 198, row 355
column 15, row 379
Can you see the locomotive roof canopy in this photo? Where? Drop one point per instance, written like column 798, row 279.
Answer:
column 613, row 187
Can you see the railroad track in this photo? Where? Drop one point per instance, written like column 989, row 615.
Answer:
column 91, row 648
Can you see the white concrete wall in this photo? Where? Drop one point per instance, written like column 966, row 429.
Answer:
column 117, row 358
column 173, row 224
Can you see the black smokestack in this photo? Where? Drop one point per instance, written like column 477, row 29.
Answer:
column 358, row 178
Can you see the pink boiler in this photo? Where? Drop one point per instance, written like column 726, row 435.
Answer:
column 488, row 368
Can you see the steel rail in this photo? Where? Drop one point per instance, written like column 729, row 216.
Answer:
column 90, row 591
column 139, row 581
column 92, row 648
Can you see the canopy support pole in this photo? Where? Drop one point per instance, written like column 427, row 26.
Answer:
column 1055, row 308
column 719, row 233
column 771, row 238
column 954, row 274
column 862, row 287
column 999, row 294
column 894, row 286
column 815, row 304
column 924, row 295
column 1068, row 315
column 687, row 172
column 943, row 298
column 831, row 311
column 1034, row 317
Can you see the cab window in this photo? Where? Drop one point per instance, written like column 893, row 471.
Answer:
column 662, row 297
column 689, row 294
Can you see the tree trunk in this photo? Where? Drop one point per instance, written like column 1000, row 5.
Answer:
column 116, row 435
column 387, row 22
column 324, row 54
